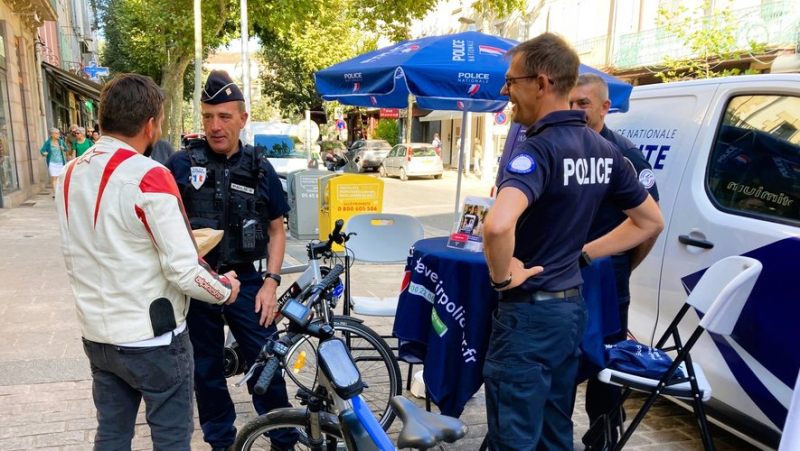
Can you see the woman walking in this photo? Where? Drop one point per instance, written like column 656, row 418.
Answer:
column 55, row 150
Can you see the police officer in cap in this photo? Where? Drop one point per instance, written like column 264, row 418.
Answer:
column 228, row 186
column 534, row 235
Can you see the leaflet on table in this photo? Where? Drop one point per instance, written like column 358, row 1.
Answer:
column 468, row 231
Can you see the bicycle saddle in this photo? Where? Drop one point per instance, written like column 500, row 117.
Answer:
column 421, row 429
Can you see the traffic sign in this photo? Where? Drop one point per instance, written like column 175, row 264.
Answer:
column 94, row 71
column 303, row 130
column 500, row 118
column 341, row 125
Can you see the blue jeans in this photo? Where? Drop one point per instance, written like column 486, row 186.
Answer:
column 123, row 376
column 214, row 404
column 530, row 373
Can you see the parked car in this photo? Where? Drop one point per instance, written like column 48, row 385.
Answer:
column 411, row 160
column 369, row 153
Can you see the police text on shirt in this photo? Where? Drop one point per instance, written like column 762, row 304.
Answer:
column 588, row 171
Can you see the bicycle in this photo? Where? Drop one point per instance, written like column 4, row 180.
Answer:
column 374, row 357
column 335, row 412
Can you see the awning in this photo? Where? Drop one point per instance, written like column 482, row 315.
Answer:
column 72, row 82
column 442, row 115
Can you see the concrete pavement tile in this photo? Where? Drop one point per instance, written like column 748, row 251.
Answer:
column 81, row 447
column 8, row 420
column 664, row 436
column 32, row 429
column 14, row 389
column 61, row 438
column 16, row 443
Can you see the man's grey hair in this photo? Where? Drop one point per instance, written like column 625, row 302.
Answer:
column 594, row 79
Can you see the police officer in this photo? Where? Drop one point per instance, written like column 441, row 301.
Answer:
column 591, row 96
column 227, row 186
column 550, row 192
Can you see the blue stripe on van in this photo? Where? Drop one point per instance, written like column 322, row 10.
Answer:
column 768, row 328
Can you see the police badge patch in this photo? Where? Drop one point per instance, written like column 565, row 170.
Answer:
column 198, row 176
column 521, row 164
column 647, row 178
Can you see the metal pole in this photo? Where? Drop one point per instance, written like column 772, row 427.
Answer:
column 308, row 136
column 246, row 66
column 198, row 65
column 460, row 163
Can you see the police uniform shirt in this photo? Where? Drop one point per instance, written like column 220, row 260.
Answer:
column 565, row 169
column 269, row 186
column 609, row 216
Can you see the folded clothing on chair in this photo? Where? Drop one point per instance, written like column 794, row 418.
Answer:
column 639, row 359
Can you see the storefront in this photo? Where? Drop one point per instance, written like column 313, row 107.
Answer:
column 70, row 99
column 8, row 167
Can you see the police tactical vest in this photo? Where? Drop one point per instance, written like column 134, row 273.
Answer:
column 230, row 200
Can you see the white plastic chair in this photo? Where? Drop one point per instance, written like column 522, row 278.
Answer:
column 381, row 238
column 719, row 297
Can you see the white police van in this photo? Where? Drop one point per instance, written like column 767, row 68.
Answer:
column 726, row 154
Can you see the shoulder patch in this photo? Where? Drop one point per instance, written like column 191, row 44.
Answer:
column 521, row 164
column 647, row 178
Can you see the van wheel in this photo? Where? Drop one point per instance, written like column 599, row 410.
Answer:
column 437, row 176
column 403, row 175
column 382, row 171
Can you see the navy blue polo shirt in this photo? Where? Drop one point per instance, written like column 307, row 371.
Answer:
column 610, row 215
column 566, row 170
column 269, row 186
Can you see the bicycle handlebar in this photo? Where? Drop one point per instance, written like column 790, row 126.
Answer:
column 266, row 376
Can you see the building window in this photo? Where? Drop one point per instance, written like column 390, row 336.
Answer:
column 755, row 167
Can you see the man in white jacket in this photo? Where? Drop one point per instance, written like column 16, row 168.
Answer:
column 132, row 261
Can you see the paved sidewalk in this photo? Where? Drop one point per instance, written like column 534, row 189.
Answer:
column 45, row 386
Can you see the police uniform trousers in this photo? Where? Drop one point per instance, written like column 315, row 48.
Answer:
column 206, row 330
column 530, row 371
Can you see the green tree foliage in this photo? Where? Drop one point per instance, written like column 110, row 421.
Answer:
column 156, row 39
column 712, row 38
column 387, row 129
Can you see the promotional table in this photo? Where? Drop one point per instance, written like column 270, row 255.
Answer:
column 444, row 317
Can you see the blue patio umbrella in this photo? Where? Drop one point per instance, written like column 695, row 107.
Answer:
column 459, row 72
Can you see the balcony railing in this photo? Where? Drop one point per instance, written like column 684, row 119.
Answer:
column 593, row 51
column 773, row 23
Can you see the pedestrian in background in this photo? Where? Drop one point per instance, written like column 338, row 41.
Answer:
column 437, row 144
column 532, row 246
column 477, row 154
column 55, row 152
column 132, row 261
column 95, row 136
column 81, row 143
column 227, row 186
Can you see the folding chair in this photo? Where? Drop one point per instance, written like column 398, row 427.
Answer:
column 383, row 238
column 719, row 298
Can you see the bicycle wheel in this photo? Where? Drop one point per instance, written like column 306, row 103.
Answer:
column 253, row 434
column 374, row 359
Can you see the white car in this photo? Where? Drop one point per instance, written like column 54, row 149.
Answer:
column 412, row 160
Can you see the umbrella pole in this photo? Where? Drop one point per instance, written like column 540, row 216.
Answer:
column 460, row 163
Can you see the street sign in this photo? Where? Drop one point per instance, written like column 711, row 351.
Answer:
column 500, row 118
column 94, row 71
column 341, row 125
column 303, row 128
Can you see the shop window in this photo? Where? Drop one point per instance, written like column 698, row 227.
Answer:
column 755, row 167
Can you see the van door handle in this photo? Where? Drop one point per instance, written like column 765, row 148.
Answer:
column 689, row 241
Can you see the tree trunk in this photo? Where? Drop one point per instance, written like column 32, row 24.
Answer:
column 172, row 84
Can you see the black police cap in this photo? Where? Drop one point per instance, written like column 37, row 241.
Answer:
column 220, row 88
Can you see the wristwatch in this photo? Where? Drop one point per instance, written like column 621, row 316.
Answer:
column 584, row 260
column 501, row 285
column 275, row 277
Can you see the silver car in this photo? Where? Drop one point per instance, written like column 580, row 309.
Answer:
column 411, row 160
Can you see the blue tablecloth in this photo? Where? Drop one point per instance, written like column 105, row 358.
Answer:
column 444, row 318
